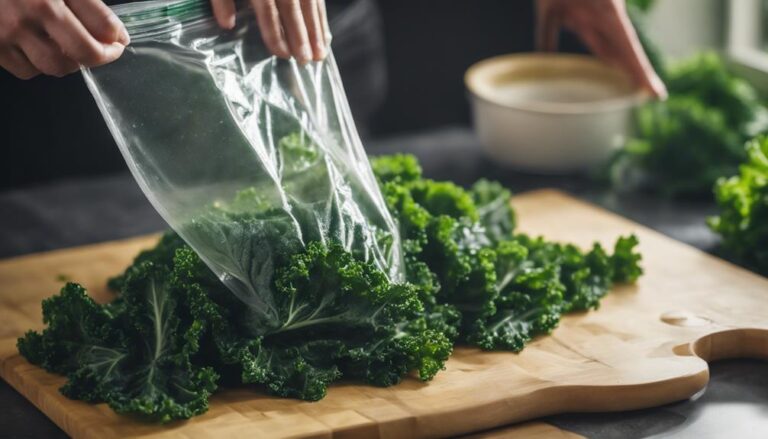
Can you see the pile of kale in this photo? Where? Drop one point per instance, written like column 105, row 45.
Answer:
column 683, row 145
column 175, row 333
column 711, row 127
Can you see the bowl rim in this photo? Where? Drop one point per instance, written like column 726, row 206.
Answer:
column 473, row 76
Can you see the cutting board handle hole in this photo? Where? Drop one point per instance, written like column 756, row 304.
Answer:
column 684, row 318
column 728, row 344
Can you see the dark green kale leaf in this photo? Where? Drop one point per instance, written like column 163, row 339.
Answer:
column 444, row 198
column 441, row 227
column 325, row 291
column 529, row 305
column 248, row 247
column 504, row 288
column 74, row 323
column 176, row 332
column 743, row 203
column 539, row 280
column 706, row 78
column 494, row 209
column 682, row 146
column 295, row 315
column 138, row 360
column 586, row 276
column 338, row 317
column 160, row 255
column 528, row 302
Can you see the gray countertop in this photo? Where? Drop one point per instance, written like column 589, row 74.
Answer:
column 76, row 212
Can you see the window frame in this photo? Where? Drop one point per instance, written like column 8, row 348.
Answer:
column 744, row 35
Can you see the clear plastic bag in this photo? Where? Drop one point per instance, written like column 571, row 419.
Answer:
column 247, row 156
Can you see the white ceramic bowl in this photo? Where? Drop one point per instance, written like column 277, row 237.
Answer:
column 550, row 113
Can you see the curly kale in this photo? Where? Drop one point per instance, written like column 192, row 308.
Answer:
column 507, row 287
column 135, row 355
column 683, row 145
column 494, row 209
column 303, row 315
column 158, row 350
column 743, row 202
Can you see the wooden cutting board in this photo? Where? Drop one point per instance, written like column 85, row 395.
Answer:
column 646, row 346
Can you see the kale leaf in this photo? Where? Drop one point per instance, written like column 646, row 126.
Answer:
column 135, row 355
column 683, row 145
column 743, row 202
column 296, row 314
column 507, row 287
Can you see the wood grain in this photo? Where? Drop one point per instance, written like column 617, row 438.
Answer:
column 641, row 349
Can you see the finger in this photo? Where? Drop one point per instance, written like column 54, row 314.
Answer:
column 598, row 46
column 607, row 51
column 17, row 64
column 321, row 10
column 315, row 31
column 268, row 18
column 100, row 21
column 45, row 55
column 547, row 27
column 295, row 29
column 224, row 11
column 635, row 61
column 76, row 42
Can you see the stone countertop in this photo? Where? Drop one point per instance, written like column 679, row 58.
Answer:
column 76, row 212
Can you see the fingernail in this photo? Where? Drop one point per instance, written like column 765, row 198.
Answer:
column 231, row 22
column 321, row 51
column 122, row 36
column 112, row 51
column 282, row 47
column 305, row 54
column 659, row 88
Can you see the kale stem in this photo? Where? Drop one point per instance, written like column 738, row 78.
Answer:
column 305, row 323
column 512, row 316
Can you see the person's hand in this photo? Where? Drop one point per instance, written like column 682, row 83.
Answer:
column 297, row 28
column 604, row 26
column 56, row 37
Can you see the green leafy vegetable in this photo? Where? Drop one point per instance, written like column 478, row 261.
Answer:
column 682, row 146
column 134, row 354
column 507, row 287
column 306, row 314
column 743, row 202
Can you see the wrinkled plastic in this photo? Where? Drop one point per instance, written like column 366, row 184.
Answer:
column 201, row 114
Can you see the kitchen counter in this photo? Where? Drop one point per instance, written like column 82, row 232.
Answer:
column 75, row 212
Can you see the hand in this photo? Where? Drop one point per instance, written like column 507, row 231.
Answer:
column 297, row 28
column 604, row 26
column 56, row 37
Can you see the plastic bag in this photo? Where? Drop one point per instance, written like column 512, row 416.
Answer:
column 247, row 156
